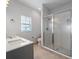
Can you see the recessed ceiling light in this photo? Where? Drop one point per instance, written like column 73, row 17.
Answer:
column 39, row 8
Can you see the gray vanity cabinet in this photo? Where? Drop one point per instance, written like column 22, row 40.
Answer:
column 25, row 52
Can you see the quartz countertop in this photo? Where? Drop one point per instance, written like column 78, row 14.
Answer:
column 16, row 42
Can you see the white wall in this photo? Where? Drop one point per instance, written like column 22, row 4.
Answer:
column 14, row 11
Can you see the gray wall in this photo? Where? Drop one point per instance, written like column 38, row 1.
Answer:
column 14, row 11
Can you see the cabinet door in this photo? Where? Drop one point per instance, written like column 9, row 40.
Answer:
column 25, row 52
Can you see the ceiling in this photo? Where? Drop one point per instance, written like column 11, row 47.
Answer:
column 37, row 4
column 58, row 4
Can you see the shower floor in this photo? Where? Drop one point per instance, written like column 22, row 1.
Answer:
column 64, row 51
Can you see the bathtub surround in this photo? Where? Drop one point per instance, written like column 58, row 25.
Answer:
column 14, row 11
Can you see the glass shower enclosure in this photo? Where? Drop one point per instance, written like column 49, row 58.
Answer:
column 57, row 33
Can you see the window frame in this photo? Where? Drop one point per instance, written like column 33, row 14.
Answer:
column 26, row 23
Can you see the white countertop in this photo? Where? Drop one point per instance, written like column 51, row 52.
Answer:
column 16, row 42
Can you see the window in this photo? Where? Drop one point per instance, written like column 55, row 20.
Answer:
column 26, row 24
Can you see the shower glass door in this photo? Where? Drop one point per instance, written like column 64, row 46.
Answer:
column 62, row 32
column 57, row 34
column 48, row 40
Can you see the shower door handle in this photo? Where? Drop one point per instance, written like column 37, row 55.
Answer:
column 53, row 38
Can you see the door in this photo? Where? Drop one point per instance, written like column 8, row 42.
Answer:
column 47, row 32
column 62, row 32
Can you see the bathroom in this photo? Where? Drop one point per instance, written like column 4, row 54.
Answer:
column 39, row 29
